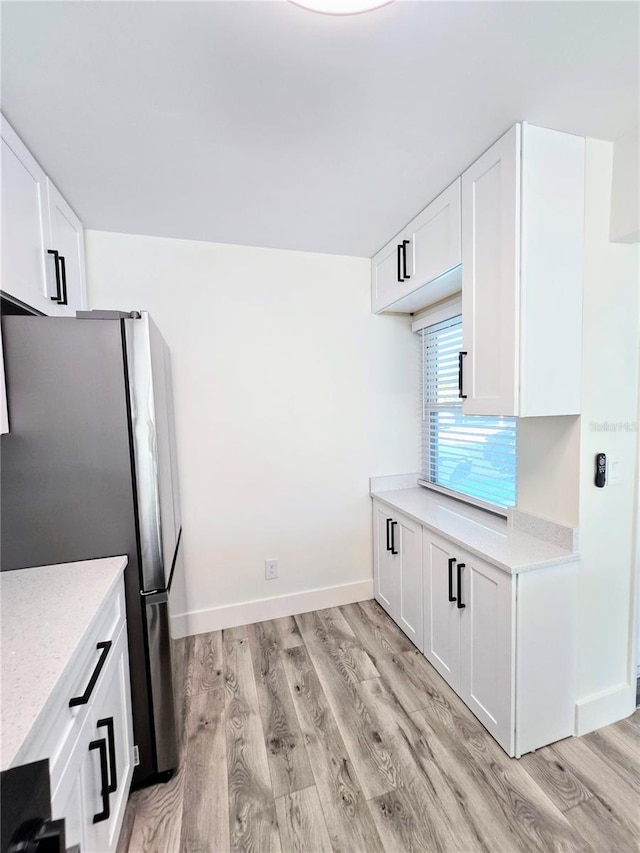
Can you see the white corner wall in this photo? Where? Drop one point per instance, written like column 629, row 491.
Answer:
column 606, row 676
column 625, row 189
column 289, row 395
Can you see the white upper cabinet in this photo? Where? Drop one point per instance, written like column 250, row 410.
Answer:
column 421, row 264
column 42, row 238
column 24, row 224
column 66, row 237
column 522, row 269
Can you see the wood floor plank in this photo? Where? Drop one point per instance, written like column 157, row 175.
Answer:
column 351, row 660
column 252, row 817
column 288, row 760
column 386, row 627
column 561, row 785
column 207, row 662
column 596, row 822
column 205, row 816
column 620, row 750
column 390, row 664
column 522, row 805
column 287, row 632
column 349, row 822
column 427, row 797
column 375, row 765
column 158, row 820
column 301, row 822
column 602, row 780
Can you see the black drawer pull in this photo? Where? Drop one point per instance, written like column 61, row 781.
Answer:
column 389, row 520
column 460, row 568
column 451, row 595
column 101, row 745
column 393, row 537
column 460, row 357
column 95, row 675
column 405, row 274
column 63, row 271
column 113, row 771
column 58, row 296
column 399, row 260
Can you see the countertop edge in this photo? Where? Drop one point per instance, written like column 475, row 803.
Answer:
column 59, row 687
column 383, row 497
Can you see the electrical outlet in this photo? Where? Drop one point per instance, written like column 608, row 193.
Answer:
column 136, row 755
column 270, row 569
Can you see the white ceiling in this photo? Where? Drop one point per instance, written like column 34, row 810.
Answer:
column 263, row 124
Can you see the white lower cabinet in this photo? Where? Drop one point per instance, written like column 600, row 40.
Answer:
column 504, row 642
column 398, row 570
column 89, row 736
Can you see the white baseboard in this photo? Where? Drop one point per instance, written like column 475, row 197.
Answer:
column 247, row 612
column 602, row 709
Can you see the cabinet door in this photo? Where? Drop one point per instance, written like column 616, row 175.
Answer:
column 111, row 719
column 490, row 279
column 487, row 648
column 24, row 226
column 434, row 237
column 408, row 569
column 387, row 279
column 441, row 614
column 385, row 587
column 66, row 236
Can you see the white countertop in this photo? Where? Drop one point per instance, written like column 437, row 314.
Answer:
column 46, row 613
column 479, row 532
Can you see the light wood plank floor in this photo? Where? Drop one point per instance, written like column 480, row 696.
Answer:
column 330, row 732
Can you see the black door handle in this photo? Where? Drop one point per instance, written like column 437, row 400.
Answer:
column 63, row 275
column 101, row 746
column 58, row 296
column 399, row 260
column 111, row 738
column 460, row 394
column 405, row 274
column 451, row 562
column 460, row 568
column 393, row 537
column 389, row 520
column 82, row 700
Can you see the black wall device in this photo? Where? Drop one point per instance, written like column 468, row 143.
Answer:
column 601, row 470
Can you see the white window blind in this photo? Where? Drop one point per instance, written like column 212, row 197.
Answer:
column 468, row 454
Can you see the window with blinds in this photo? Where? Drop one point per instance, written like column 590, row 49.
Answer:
column 471, row 455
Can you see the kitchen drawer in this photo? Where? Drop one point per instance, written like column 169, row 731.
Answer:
column 58, row 735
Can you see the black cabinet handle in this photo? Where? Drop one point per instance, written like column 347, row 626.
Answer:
column 451, row 595
column 111, row 738
column 63, row 275
column 95, row 675
column 393, row 537
column 399, row 260
column 460, row 568
column 405, row 274
column 58, row 296
column 389, row 520
column 101, row 745
column 460, row 357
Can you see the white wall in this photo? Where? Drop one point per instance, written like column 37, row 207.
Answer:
column 289, row 395
column 606, row 689
column 625, row 192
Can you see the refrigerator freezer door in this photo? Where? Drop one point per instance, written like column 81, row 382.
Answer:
column 153, row 449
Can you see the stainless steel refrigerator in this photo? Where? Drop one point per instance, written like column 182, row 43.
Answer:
column 88, row 469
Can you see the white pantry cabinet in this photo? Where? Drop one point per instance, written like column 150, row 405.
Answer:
column 42, row 238
column 420, row 265
column 522, row 272
column 398, row 569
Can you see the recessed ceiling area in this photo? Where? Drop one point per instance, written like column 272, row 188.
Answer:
column 264, row 124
